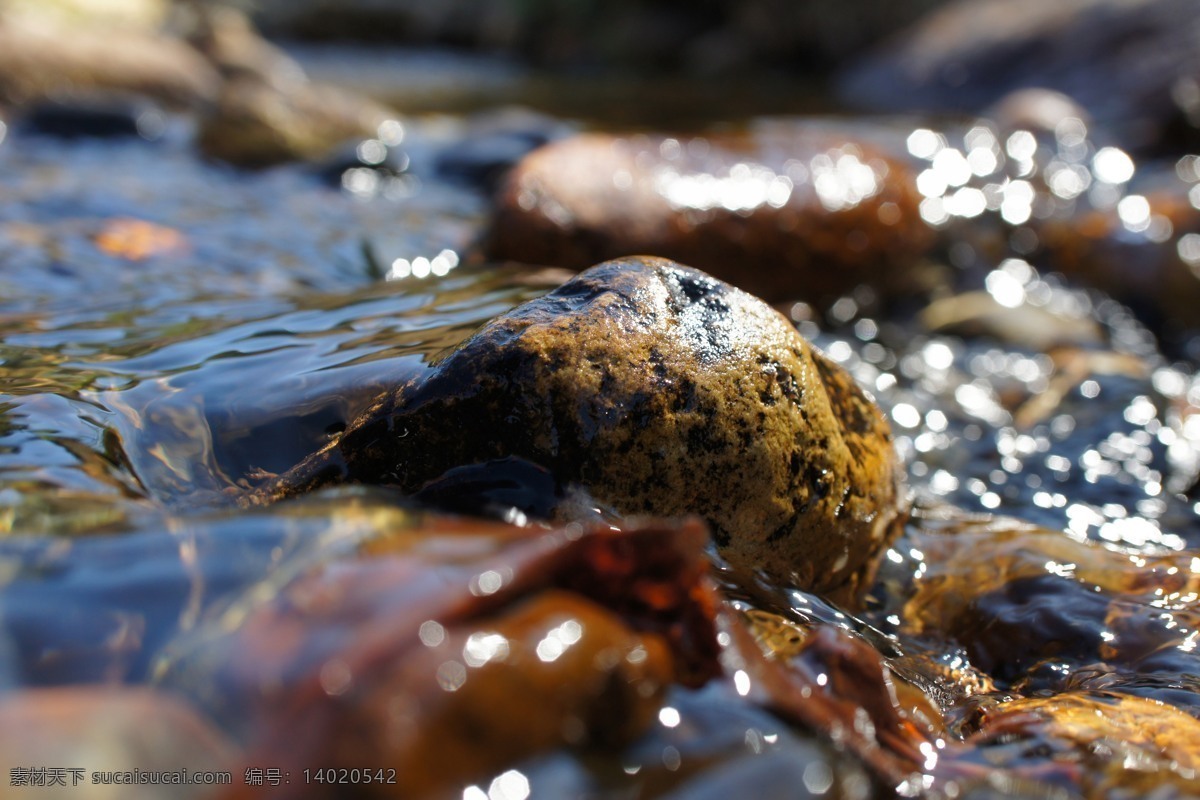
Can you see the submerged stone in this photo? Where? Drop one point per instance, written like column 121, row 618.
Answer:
column 662, row 391
column 787, row 211
column 1095, row 743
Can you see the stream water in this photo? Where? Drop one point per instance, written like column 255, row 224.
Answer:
column 172, row 328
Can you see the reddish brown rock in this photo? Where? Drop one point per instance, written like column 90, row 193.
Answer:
column 791, row 211
column 452, row 650
column 830, row 680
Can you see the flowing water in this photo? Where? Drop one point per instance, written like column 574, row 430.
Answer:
column 172, row 330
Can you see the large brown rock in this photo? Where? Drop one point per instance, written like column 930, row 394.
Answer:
column 791, row 211
column 446, row 651
column 663, row 391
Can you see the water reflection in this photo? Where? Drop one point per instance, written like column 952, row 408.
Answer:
column 1073, row 425
column 702, row 177
column 1020, row 396
column 421, row 267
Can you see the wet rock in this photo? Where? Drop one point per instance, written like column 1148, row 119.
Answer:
column 99, row 730
column 256, row 124
column 861, row 711
column 229, row 40
column 600, row 686
column 790, row 211
column 1072, row 366
column 40, row 61
column 1032, row 605
column 1144, row 250
column 1181, row 690
column 723, row 753
column 268, row 112
column 1101, row 745
column 980, row 314
column 1132, row 64
column 494, row 489
column 856, row 676
column 141, row 15
column 451, row 650
column 662, row 391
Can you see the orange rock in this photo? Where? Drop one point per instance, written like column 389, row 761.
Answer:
column 137, row 240
column 1018, row 597
column 554, row 671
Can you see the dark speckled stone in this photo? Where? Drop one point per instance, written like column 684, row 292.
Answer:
column 663, row 391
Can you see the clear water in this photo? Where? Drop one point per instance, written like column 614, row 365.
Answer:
column 140, row 392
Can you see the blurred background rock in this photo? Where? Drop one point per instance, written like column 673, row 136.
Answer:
column 1132, row 65
column 707, row 36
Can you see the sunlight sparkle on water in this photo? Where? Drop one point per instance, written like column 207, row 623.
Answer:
column 422, row 267
column 432, row 634
column 924, row 143
column 1021, row 146
column 487, row 582
column 843, row 183
column 484, row 647
column 511, row 785
column 818, row 778
column 1112, row 165
column 1188, row 248
column 558, row 640
column 1005, row 289
column 391, row 132
column 1134, row 211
